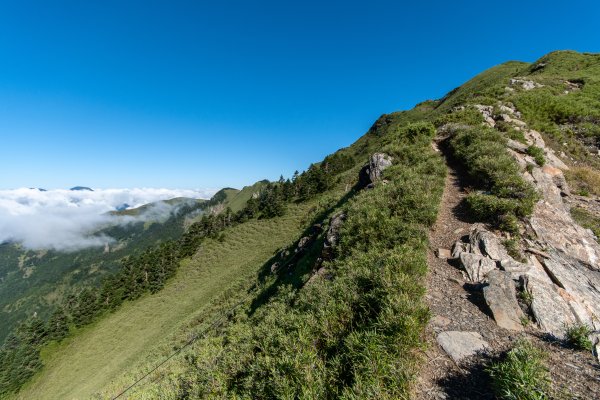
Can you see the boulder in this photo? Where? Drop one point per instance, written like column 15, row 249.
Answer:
column 477, row 266
column 517, row 146
column 487, row 243
column 333, row 232
column 372, row 172
column 487, row 112
column 459, row 247
column 500, row 296
column 332, row 236
column 459, row 345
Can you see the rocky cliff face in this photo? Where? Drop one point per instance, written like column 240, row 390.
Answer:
column 562, row 273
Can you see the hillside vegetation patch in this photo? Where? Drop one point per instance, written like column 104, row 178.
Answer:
column 503, row 195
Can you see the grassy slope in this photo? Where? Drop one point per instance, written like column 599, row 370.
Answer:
column 105, row 351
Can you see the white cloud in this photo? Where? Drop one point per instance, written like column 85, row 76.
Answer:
column 67, row 219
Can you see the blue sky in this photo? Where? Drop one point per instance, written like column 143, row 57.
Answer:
column 198, row 94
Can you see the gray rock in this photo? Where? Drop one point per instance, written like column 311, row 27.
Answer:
column 457, row 248
column 579, row 285
column 501, row 298
column 525, row 84
column 550, row 309
column 333, row 232
column 487, row 243
column 332, row 236
column 477, row 266
column 517, row 146
column 487, row 112
column 514, row 268
column 372, row 172
column 459, row 345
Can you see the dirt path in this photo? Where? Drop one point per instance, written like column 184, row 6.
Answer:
column 459, row 306
column 453, row 307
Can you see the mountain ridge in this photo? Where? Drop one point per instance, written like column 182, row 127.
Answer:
column 340, row 311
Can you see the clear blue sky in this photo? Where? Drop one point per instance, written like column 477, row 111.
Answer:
column 196, row 94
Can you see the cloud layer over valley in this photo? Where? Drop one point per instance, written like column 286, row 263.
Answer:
column 68, row 219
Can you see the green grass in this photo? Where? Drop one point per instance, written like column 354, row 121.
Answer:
column 108, row 349
column 522, row 375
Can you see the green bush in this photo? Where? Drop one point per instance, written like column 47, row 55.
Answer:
column 469, row 116
column 522, row 375
column 578, row 336
column 537, row 154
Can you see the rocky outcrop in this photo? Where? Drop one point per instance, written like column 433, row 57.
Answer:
column 332, row 236
column 480, row 254
column 562, row 275
column 500, row 296
column 487, row 112
column 487, row 244
column 477, row 266
column 525, row 84
column 372, row 172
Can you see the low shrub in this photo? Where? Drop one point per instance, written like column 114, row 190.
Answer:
column 504, row 195
column 577, row 336
column 537, row 154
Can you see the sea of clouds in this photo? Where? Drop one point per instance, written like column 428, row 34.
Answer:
column 68, row 220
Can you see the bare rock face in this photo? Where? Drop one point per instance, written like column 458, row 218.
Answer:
column 563, row 275
column 550, row 309
column 459, row 345
column 514, row 268
column 481, row 254
column 371, row 172
column 500, row 296
column 554, row 226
